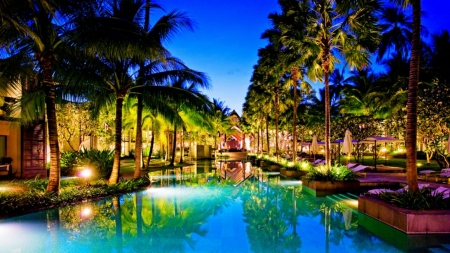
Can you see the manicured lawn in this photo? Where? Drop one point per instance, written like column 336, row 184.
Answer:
column 395, row 162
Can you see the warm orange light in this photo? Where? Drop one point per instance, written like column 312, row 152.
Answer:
column 86, row 173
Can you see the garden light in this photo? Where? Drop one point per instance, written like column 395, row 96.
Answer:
column 86, row 173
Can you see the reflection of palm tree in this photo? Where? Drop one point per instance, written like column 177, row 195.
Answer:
column 267, row 223
column 53, row 227
column 118, row 219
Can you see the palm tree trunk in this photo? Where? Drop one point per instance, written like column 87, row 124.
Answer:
column 294, row 116
column 139, row 220
column 277, row 96
column 46, row 62
column 181, row 147
column 259, row 135
column 174, row 146
column 151, row 148
column 267, row 133
column 138, row 141
column 118, row 221
column 326, row 71
column 117, row 142
column 411, row 113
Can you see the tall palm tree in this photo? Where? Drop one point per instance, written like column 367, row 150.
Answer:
column 106, row 75
column 347, row 28
column 291, row 25
column 161, row 31
column 113, row 72
column 411, row 113
column 36, row 27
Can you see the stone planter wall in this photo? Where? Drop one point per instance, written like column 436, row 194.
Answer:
column 324, row 188
column 405, row 220
column 292, row 173
column 274, row 167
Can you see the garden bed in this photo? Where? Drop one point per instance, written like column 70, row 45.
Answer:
column 405, row 220
column 292, row 173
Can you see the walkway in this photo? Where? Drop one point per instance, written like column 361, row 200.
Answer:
column 380, row 178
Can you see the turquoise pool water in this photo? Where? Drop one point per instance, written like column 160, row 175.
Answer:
column 253, row 217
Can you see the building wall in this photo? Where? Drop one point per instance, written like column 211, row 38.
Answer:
column 12, row 132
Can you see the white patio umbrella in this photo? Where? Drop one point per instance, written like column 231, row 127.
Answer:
column 314, row 148
column 448, row 145
column 347, row 146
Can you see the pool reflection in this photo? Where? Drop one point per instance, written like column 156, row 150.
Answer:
column 191, row 217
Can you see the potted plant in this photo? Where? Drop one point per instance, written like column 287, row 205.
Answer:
column 295, row 170
column 321, row 181
column 426, row 211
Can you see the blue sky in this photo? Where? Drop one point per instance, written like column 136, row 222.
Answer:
column 226, row 40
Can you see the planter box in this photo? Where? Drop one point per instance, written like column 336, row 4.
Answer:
column 324, row 188
column 405, row 220
column 275, row 167
column 293, row 173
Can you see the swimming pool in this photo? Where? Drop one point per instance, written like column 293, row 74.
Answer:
column 270, row 216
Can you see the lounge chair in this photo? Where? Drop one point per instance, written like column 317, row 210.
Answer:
column 442, row 190
column 360, row 169
column 424, row 174
column 318, row 161
column 445, row 173
column 351, row 165
column 381, row 190
column 406, row 187
column 5, row 170
column 378, row 191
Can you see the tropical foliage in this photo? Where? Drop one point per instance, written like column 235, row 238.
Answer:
column 335, row 173
column 34, row 197
column 423, row 199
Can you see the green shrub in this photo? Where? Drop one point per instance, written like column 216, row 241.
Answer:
column 72, row 191
column 423, row 199
column 335, row 173
column 69, row 161
column 100, row 161
column 301, row 165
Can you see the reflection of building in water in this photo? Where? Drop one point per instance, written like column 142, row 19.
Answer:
column 234, row 139
column 234, row 170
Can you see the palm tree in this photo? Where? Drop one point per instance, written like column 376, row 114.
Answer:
column 291, row 25
column 221, row 121
column 344, row 27
column 113, row 72
column 35, row 27
column 338, row 84
column 161, row 31
column 177, row 101
column 106, row 77
column 411, row 113
column 396, row 32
